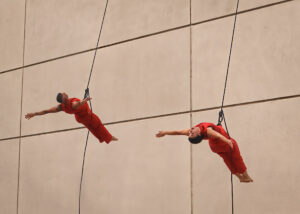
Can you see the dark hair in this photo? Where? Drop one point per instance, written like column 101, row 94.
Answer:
column 196, row 140
column 59, row 97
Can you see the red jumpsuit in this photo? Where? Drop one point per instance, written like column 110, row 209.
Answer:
column 231, row 157
column 90, row 120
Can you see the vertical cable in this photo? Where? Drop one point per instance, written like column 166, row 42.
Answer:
column 21, row 109
column 87, row 93
column 221, row 114
column 229, row 57
column 191, row 108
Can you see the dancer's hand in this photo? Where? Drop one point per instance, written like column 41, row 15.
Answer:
column 160, row 134
column 230, row 144
column 29, row 115
column 87, row 99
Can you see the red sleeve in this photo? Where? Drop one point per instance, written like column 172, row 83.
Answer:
column 68, row 108
column 203, row 130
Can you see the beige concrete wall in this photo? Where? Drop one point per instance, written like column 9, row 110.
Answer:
column 139, row 18
column 50, row 172
column 138, row 60
column 12, row 33
column 268, row 139
column 203, row 10
column 143, row 66
column 140, row 173
column 264, row 45
column 9, row 152
column 58, row 28
column 64, row 75
column 11, row 87
column 55, row 28
column 155, row 67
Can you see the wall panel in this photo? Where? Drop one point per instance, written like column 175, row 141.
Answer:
column 10, row 87
column 264, row 57
column 9, row 154
column 266, row 134
column 140, row 173
column 41, row 85
column 12, row 14
column 50, row 172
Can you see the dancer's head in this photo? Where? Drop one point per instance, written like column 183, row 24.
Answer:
column 62, row 97
column 195, row 136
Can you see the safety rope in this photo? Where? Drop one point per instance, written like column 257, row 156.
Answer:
column 87, row 94
column 229, row 57
column 221, row 113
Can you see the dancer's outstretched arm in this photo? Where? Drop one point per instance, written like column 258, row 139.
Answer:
column 78, row 104
column 212, row 134
column 50, row 110
column 178, row 132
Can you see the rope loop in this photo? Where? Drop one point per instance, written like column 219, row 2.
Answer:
column 221, row 117
column 86, row 93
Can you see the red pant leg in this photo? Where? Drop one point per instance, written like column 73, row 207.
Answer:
column 98, row 129
column 234, row 160
column 94, row 124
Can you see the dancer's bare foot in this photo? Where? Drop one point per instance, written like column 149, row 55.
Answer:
column 239, row 176
column 114, row 138
column 246, row 178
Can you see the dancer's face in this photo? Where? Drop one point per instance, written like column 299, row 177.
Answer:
column 194, row 132
column 64, row 97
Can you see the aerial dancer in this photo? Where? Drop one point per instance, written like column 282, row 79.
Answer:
column 83, row 115
column 220, row 143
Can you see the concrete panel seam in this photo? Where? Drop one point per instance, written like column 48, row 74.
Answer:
column 242, row 12
column 163, row 115
column 21, row 112
column 191, row 108
column 147, row 35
